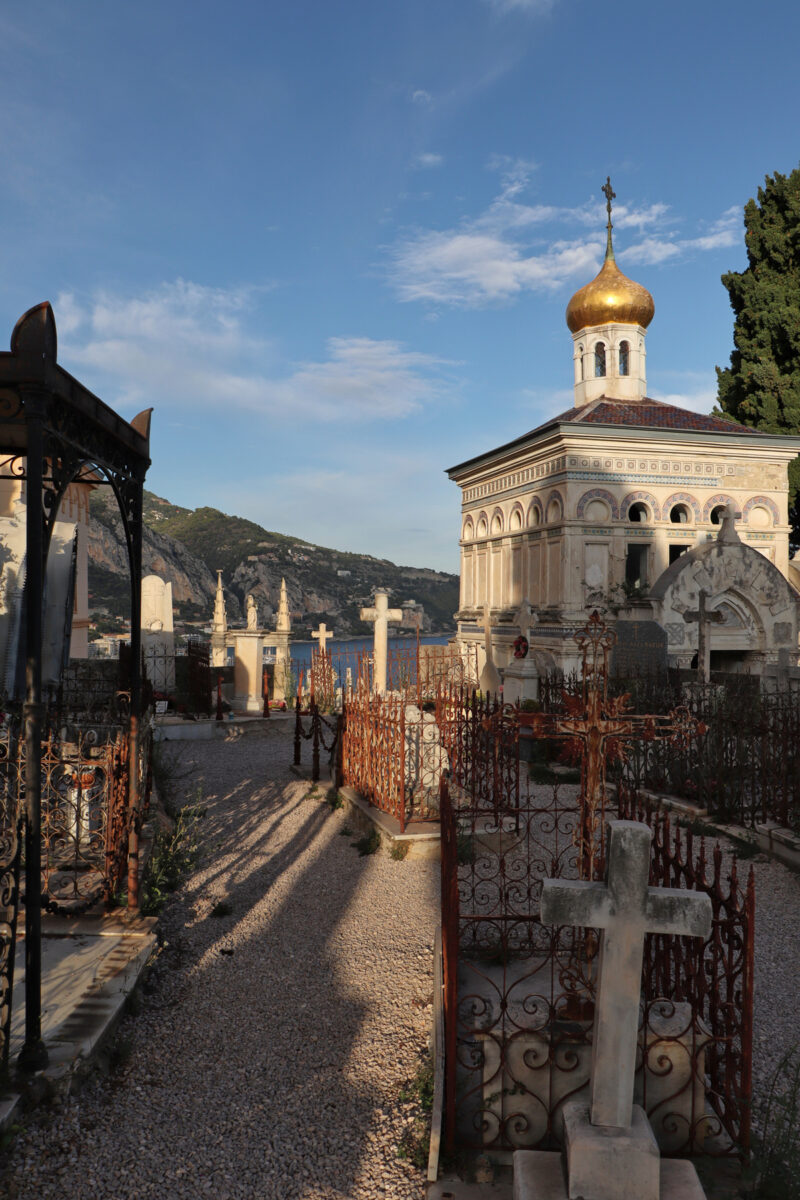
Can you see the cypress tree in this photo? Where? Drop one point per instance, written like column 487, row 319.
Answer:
column 761, row 387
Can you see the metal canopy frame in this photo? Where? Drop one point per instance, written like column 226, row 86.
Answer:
column 54, row 432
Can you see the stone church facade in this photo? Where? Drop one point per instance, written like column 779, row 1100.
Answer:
column 616, row 504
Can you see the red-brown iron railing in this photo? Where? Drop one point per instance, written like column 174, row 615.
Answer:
column 519, row 996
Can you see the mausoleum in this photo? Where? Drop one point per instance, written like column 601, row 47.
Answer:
column 595, row 508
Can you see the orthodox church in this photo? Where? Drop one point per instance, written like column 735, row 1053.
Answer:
column 648, row 511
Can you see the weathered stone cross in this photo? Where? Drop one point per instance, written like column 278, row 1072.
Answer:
column 703, row 619
column 625, row 909
column 381, row 615
column 490, row 676
column 322, row 634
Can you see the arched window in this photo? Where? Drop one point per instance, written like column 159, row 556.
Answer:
column 679, row 514
column 580, row 358
column 638, row 512
column 600, row 360
column 624, row 358
column 716, row 514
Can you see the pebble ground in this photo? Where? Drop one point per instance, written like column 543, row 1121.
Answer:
column 274, row 1045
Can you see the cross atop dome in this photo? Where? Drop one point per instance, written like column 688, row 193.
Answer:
column 608, row 318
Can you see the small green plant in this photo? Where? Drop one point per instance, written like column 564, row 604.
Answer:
column 399, row 851
column 223, row 908
column 334, row 799
column 415, row 1142
column 774, row 1172
column 121, row 1052
column 345, row 831
column 369, row 843
column 175, row 854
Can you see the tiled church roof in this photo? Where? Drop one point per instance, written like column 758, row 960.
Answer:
column 645, row 414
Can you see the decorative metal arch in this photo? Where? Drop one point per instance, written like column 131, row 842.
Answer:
column 763, row 502
column 54, row 431
column 598, row 494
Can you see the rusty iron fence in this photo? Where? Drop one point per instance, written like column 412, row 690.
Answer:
column 519, row 996
column 395, row 752
column 415, row 672
column 744, row 764
column 86, row 812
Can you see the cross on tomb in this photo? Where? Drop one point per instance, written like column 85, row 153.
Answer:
column 489, row 679
column 600, row 723
column 380, row 615
column 624, row 908
column 525, row 619
column 703, row 618
column 322, row 634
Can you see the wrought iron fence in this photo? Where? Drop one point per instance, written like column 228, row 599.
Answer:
column 11, row 837
column 743, row 766
column 395, row 752
column 415, row 672
column 519, row 996
column 86, row 817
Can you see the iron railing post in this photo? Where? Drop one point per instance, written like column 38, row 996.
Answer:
column 134, row 799
column 315, row 722
column 33, row 1055
column 298, row 728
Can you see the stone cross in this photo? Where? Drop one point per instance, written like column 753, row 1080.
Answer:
column 525, row 619
column 625, row 909
column 703, row 618
column 490, row 676
column 380, row 615
column 322, row 635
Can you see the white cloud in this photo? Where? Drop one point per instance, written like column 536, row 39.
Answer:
column 526, row 6
column 186, row 345
column 428, row 160
column 504, row 250
column 420, row 96
column 699, row 393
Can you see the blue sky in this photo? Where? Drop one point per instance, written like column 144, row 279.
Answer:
column 332, row 244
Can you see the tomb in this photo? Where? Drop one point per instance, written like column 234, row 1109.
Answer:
column 610, row 1151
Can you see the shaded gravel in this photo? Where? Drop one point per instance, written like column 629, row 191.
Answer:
column 273, row 1043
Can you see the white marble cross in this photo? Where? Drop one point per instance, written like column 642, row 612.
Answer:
column 322, row 635
column 381, row 615
column 625, row 909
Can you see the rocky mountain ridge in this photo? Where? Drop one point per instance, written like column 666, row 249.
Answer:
column 186, row 547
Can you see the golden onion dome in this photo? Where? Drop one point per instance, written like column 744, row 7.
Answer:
column 611, row 296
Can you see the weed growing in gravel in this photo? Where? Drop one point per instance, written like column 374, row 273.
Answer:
column 345, row 831
column 120, row 1053
column 174, row 855
column 399, row 851
column 774, row 1172
column 415, row 1142
column 334, row 799
column 223, row 908
column 169, row 775
column 369, row 843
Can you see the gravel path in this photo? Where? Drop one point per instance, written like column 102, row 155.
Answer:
column 274, row 1043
